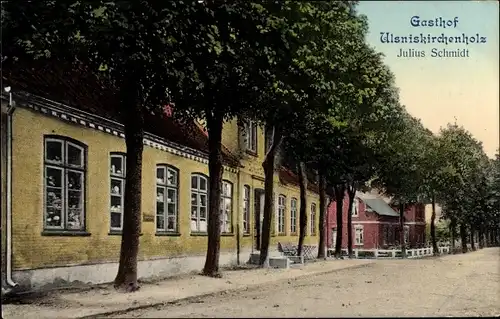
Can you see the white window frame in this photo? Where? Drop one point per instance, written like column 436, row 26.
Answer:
column 65, row 168
column 355, row 208
column 251, row 136
column 268, row 138
column 293, row 215
column 274, row 229
column 117, row 176
column 334, row 237
column 199, row 193
column 166, row 186
column 281, row 214
column 359, row 235
column 246, row 209
column 313, row 219
column 406, row 234
column 226, row 215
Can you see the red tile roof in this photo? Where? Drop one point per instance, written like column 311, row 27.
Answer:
column 286, row 176
column 73, row 86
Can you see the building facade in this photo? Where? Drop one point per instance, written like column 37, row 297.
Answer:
column 375, row 224
column 428, row 213
column 64, row 178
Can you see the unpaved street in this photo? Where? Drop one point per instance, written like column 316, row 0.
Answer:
column 458, row 285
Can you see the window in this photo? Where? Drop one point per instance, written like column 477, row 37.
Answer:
column 246, row 209
column 64, row 189
column 334, row 237
column 355, row 205
column 199, row 193
column 268, row 137
column 392, row 235
column 117, row 198
column 313, row 219
column 167, row 184
column 226, row 207
column 293, row 215
column 407, row 233
column 274, row 226
column 385, row 235
column 358, row 232
column 251, row 136
column 281, row 214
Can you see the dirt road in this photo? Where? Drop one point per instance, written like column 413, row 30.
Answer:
column 457, row 285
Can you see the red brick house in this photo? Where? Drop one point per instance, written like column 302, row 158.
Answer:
column 375, row 224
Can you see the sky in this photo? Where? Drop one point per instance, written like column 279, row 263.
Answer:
column 444, row 90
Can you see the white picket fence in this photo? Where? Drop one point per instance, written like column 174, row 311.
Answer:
column 395, row 253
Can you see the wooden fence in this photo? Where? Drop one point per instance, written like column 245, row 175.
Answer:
column 393, row 253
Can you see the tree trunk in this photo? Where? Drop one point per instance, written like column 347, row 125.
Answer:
column 452, row 234
column 327, row 224
column 351, row 191
column 339, row 198
column 433, row 227
column 480, row 235
column 268, row 165
column 485, row 236
column 303, row 207
column 215, row 169
column 472, row 238
column 401, row 226
column 126, row 277
column 322, row 216
column 488, row 237
column 463, row 237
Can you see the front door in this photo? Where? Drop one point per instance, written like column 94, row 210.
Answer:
column 334, row 238
column 259, row 216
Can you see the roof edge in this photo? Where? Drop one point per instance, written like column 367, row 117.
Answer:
column 76, row 116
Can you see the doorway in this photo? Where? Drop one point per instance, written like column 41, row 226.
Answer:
column 258, row 215
column 333, row 241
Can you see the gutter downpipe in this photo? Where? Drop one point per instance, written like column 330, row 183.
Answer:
column 10, row 111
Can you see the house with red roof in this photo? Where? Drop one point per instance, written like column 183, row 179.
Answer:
column 376, row 224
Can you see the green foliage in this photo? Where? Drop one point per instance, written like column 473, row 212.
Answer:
column 401, row 171
column 117, row 41
column 442, row 231
column 302, row 85
column 342, row 140
column 462, row 175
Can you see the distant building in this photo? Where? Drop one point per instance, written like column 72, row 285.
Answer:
column 428, row 213
column 375, row 224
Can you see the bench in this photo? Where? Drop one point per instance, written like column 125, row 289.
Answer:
column 290, row 250
column 287, row 249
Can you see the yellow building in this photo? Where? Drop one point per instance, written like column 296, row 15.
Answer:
column 428, row 213
column 64, row 181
